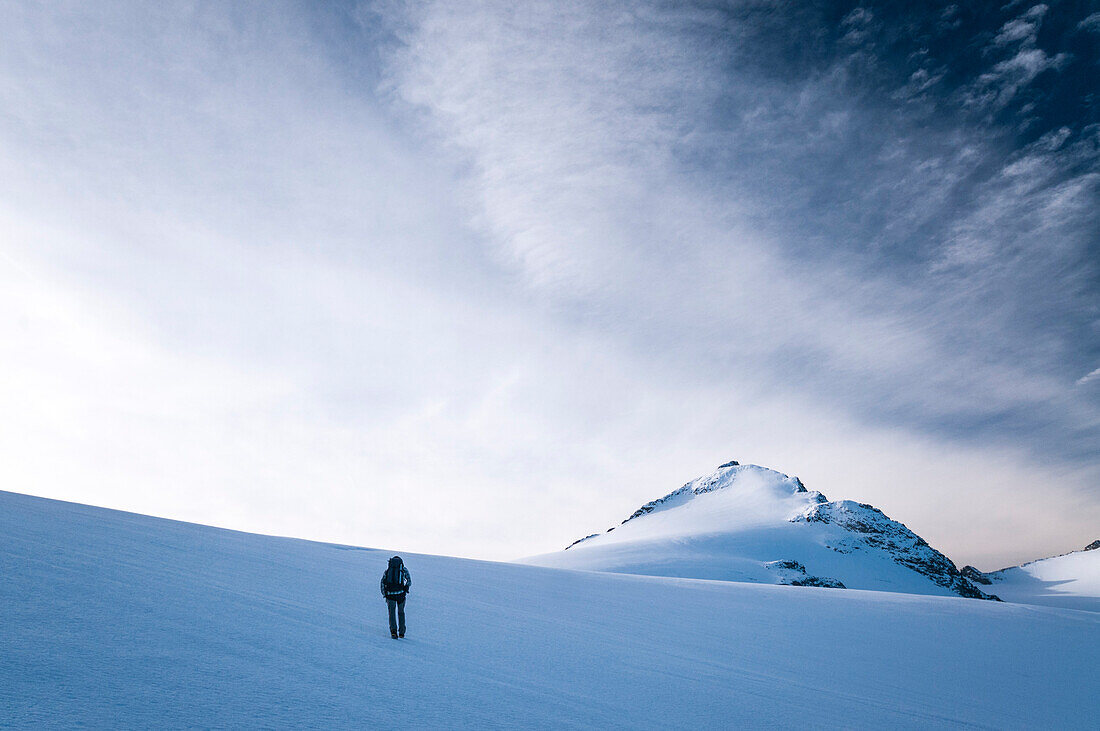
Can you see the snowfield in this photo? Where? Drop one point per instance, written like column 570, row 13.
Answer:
column 110, row 619
column 1071, row 581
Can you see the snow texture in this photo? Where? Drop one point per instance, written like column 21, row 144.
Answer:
column 1071, row 581
column 750, row 523
column 115, row 620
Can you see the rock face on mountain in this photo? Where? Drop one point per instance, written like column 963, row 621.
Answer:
column 750, row 523
column 870, row 528
column 975, row 575
column 793, row 573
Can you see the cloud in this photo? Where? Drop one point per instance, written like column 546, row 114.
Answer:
column 1093, row 375
column 1024, row 28
column 1020, row 70
column 571, row 133
column 1000, row 84
column 578, row 161
column 1091, row 23
column 476, row 278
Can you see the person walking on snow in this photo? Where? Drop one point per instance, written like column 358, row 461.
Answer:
column 395, row 586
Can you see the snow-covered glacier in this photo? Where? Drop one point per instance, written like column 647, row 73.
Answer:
column 115, row 620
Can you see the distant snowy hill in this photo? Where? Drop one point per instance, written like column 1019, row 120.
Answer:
column 1071, row 581
column 750, row 523
column 115, row 620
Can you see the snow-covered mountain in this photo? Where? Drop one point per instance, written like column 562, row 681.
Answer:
column 115, row 620
column 750, row 523
column 1071, row 580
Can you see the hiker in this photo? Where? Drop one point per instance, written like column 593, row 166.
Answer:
column 395, row 585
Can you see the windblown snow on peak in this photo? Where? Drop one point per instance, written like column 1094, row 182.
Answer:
column 749, row 523
column 734, row 494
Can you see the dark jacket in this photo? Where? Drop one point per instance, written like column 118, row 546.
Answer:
column 396, row 582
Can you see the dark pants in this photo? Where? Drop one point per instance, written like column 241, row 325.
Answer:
column 397, row 614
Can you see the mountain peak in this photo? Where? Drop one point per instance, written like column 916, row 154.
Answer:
column 731, row 475
column 744, row 522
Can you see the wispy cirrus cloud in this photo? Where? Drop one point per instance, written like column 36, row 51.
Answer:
column 584, row 161
column 887, row 260
column 526, row 266
column 1024, row 28
column 1091, row 23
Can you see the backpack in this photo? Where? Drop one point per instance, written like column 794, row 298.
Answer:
column 393, row 580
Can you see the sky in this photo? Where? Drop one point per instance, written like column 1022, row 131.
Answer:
column 481, row 278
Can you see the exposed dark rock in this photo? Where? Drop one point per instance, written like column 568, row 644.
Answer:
column 1093, row 546
column 823, row 581
column 579, row 540
column 789, row 564
column 875, row 529
column 647, row 508
column 731, row 463
column 975, row 575
column 793, row 573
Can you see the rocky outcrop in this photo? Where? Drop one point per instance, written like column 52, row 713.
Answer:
column 975, row 575
column 579, row 540
column 868, row 527
column 793, row 573
column 822, row 581
column 1093, row 546
column 787, row 565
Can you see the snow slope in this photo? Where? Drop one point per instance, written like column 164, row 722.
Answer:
column 1071, row 581
column 753, row 524
column 113, row 620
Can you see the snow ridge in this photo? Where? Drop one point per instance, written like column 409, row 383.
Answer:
column 1070, row 580
column 725, row 476
column 1090, row 547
